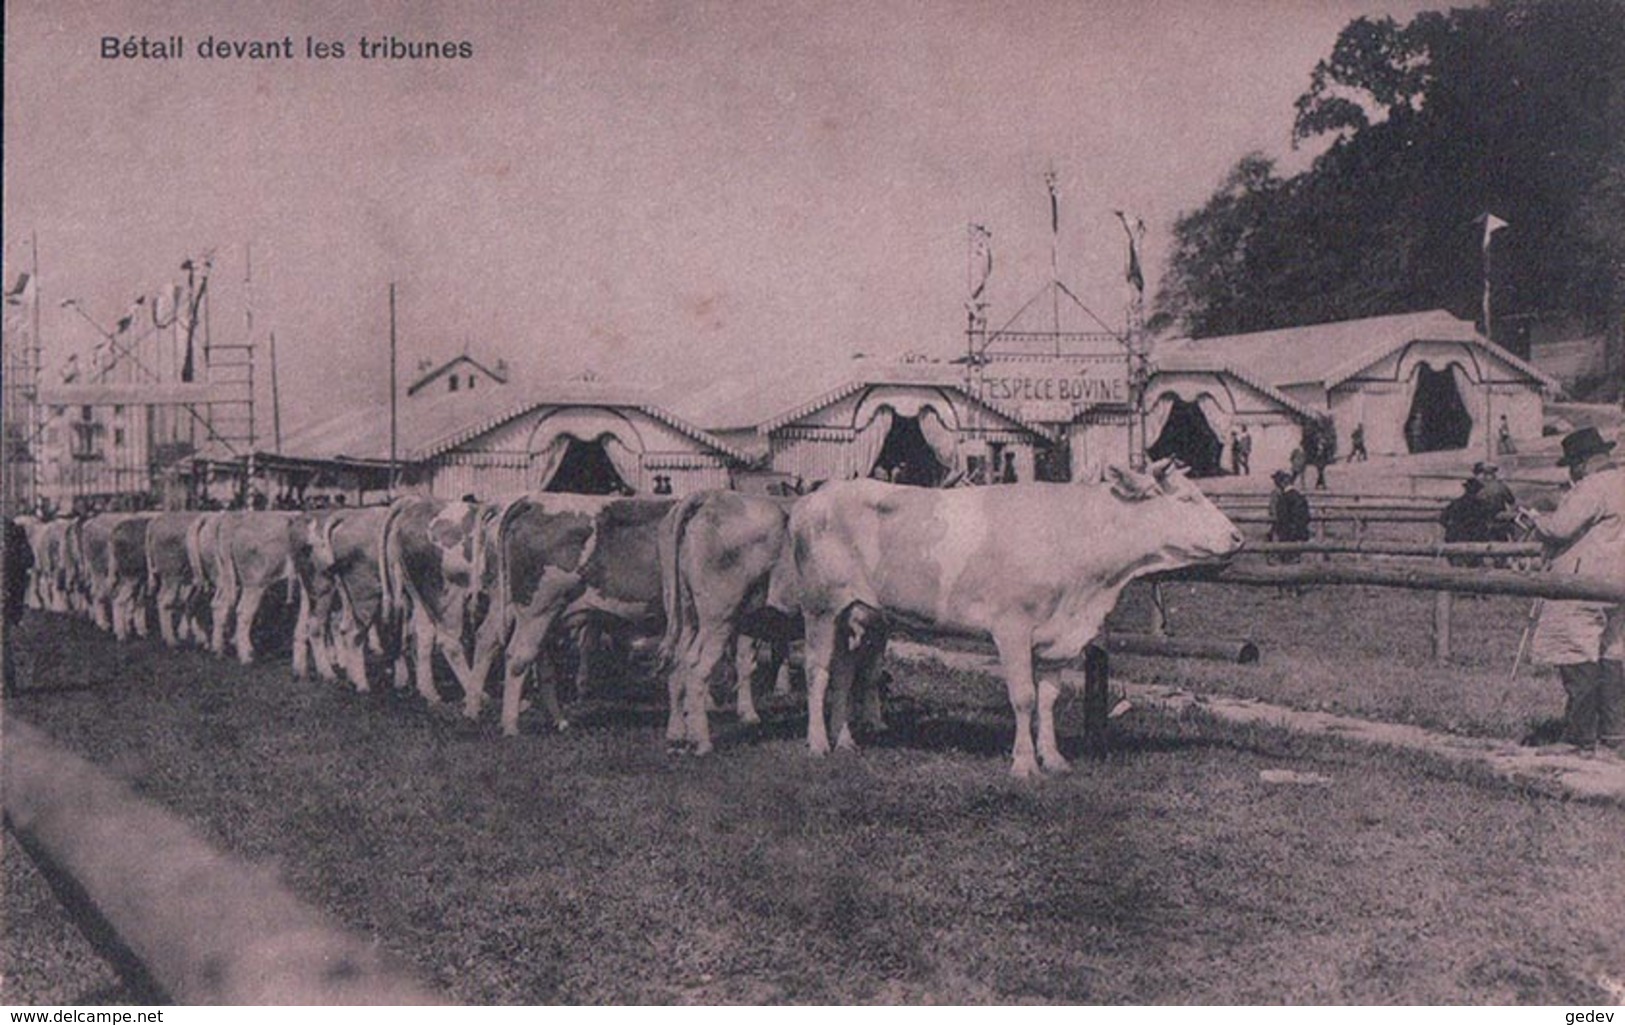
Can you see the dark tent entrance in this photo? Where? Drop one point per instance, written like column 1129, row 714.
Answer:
column 906, row 457
column 586, row 470
column 1189, row 438
column 1438, row 417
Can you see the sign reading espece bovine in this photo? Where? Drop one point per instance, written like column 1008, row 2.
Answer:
column 1054, row 389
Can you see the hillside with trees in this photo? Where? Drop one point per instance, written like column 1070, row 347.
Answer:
column 1515, row 109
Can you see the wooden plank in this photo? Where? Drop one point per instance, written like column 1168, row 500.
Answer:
column 1417, row 577
column 205, row 927
column 1482, row 549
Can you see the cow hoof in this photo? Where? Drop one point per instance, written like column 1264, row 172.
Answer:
column 817, row 751
column 1057, row 765
column 563, row 725
column 751, row 720
column 701, row 750
column 1023, row 769
column 510, row 731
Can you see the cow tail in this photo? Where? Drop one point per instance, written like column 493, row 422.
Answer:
column 499, row 601
column 225, row 568
column 393, row 582
column 152, row 559
column 673, row 594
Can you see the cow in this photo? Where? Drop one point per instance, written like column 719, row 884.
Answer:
column 440, row 568
column 171, row 578
column 559, row 558
column 115, row 553
column 1034, row 567
column 316, row 596
column 252, row 555
column 351, row 587
column 57, row 560
column 75, row 574
column 31, row 534
column 719, row 552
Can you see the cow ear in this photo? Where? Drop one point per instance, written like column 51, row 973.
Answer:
column 1126, row 484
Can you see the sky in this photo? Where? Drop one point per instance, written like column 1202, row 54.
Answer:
column 658, row 193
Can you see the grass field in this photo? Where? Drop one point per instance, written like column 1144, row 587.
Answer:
column 590, row 867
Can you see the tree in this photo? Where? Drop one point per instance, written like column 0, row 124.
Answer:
column 1516, row 109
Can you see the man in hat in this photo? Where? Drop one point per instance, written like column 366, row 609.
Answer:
column 1586, row 640
column 1467, row 519
column 1499, row 504
column 1289, row 510
column 1289, row 518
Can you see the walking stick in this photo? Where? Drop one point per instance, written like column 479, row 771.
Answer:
column 1534, row 607
column 1523, row 642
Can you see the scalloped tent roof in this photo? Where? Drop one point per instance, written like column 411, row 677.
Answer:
column 1331, row 353
column 761, row 403
column 435, row 425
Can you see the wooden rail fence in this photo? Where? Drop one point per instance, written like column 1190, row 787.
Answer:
column 181, row 921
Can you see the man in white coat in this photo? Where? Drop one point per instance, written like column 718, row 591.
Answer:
column 1586, row 640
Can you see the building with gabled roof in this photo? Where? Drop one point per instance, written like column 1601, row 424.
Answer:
column 582, row 437
column 916, row 422
column 462, row 373
column 1415, row 382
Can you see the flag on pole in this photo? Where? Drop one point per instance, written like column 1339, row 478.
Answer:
column 1134, row 275
column 126, row 322
column 1492, row 224
column 981, row 253
column 1054, row 203
column 188, row 312
column 18, row 294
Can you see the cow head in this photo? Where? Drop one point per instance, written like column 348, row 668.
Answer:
column 1186, row 523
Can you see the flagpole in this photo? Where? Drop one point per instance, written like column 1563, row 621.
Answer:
column 1054, row 259
column 276, row 400
column 392, row 391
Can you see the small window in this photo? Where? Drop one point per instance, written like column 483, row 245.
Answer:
column 84, row 413
column 118, row 437
column 118, row 410
column 452, row 382
column 471, row 380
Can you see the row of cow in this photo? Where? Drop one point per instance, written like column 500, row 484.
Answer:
column 488, row 587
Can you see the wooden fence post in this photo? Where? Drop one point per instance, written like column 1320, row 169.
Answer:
column 1443, row 602
column 1159, row 611
column 1096, row 676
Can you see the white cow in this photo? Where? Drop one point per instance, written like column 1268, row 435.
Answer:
column 1034, row 567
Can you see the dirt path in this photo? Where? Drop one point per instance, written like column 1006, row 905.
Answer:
column 1572, row 774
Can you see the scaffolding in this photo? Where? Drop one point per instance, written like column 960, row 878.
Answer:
column 158, row 394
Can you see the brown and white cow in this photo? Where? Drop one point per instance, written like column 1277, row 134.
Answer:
column 48, row 586
column 115, row 553
column 1035, row 567
column 171, row 579
column 33, row 535
column 74, row 578
column 316, row 597
column 719, row 553
column 562, row 557
column 348, row 551
column 441, row 564
column 252, row 555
